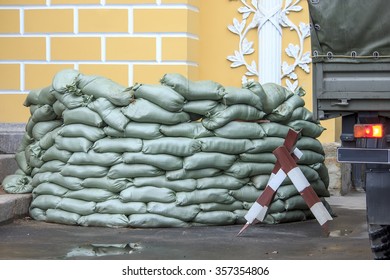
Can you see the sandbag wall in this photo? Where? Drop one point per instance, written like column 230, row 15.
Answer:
column 178, row 154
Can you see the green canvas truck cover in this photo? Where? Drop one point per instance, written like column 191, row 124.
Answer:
column 350, row 31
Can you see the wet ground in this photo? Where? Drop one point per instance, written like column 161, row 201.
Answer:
column 348, row 240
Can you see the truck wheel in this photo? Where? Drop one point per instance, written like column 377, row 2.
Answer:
column 380, row 241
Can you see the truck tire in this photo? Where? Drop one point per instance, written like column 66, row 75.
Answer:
column 380, row 241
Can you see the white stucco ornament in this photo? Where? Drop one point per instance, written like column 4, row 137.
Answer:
column 269, row 17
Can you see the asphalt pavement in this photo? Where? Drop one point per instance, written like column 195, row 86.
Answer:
column 27, row 239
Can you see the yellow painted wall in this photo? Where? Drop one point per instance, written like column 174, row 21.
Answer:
column 128, row 41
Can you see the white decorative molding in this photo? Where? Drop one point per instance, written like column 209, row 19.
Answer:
column 269, row 17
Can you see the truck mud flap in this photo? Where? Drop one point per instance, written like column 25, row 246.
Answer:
column 377, row 196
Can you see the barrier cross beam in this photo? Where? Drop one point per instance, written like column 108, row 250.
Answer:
column 287, row 155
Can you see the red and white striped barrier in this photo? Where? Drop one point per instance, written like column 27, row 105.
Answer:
column 287, row 156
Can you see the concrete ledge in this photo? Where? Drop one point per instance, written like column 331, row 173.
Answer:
column 14, row 206
column 11, row 135
column 8, row 165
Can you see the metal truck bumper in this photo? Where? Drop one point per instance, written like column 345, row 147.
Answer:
column 359, row 155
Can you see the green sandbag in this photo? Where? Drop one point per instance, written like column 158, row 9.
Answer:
column 189, row 130
column 56, row 154
column 275, row 95
column 71, row 183
column 145, row 131
column 310, row 173
column 248, row 169
column 17, row 184
column 101, row 87
column 231, row 113
column 184, row 213
column 73, row 144
column 144, row 111
column 113, row 133
column 32, row 98
column 178, row 146
column 91, row 194
column 49, row 189
column 81, row 130
column 295, row 202
column 37, row 214
column 147, row 194
column 82, row 115
column 208, row 160
column 42, row 128
column 242, row 96
column 302, row 113
column 78, row 206
column 26, row 140
column 285, row 110
column 287, row 191
column 123, row 170
column 221, row 181
column 240, row 130
column 261, row 181
column 115, row 206
column 42, row 96
column 308, row 128
column 84, row 171
column 59, row 108
column 33, row 108
column 276, row 206
column 285, row 217
column 41, row 178
column 61, row 217
column 48, row 140
column 94, row 158
column 163, row 182
column 310, row 157
column 247, row 193
column 154, row 221
column 45, row 202
column 104, row 220
column 183, row 174
column 111, row 114
column 265, row 145
column 215, row 218
column 199, row 90
column 212, row 206
column 308, row 143
column 322, row 171
column 71, row 100
column 275, row 129
column 21, row 160
column 203, row 107
column 52, row 166
column 204, row 196
column 112, row 145
column 66, row 80
column 261, row 158
column 163, row 96
column 161, row 161
column 226, row 146
column 43, row 113
column 112, row 185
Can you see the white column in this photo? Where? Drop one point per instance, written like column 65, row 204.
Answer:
column 270, row 43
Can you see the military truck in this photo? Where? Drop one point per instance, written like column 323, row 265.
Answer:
column 351, row 80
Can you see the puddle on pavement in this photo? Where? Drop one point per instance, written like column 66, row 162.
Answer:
column 340, row 233
column 101, row 250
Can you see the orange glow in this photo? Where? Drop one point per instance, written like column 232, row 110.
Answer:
column 368, row 131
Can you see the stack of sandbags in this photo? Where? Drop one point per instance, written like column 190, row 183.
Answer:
column 172, row 155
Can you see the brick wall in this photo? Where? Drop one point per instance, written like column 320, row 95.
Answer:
column 126, row 40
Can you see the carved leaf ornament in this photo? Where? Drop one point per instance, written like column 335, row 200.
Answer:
column 255, row 16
